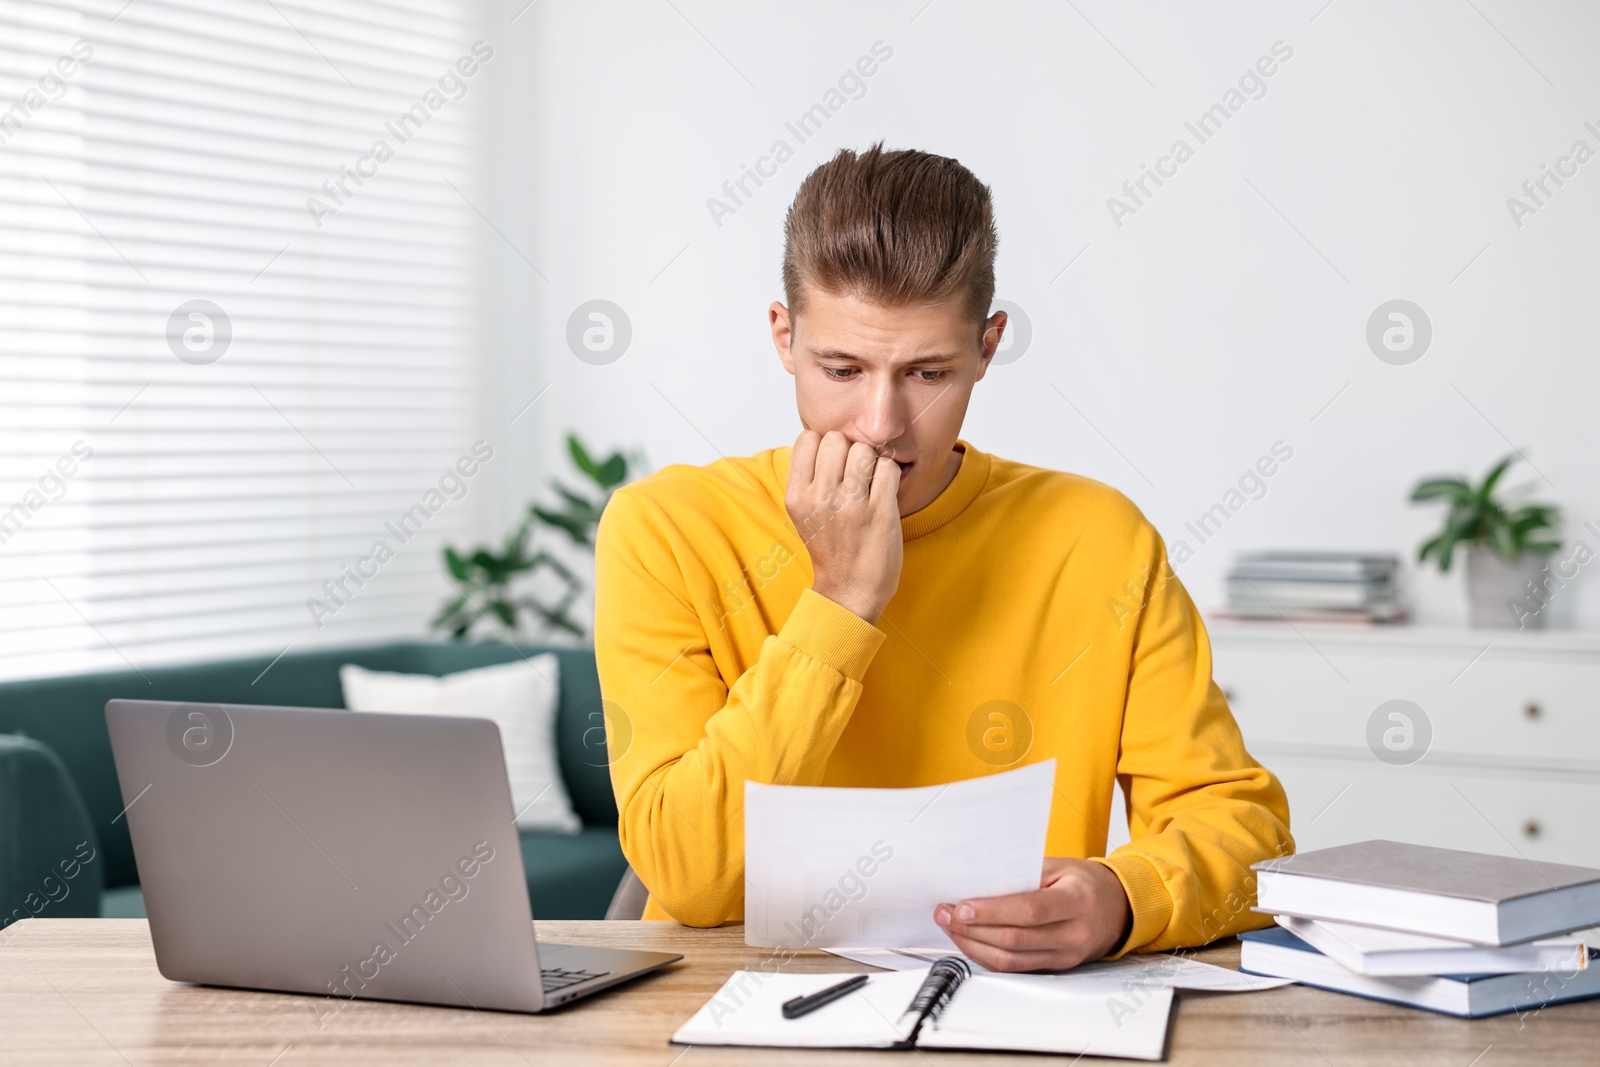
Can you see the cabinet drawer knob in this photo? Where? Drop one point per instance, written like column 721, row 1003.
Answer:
column 1532, row 710
column 1531, row 828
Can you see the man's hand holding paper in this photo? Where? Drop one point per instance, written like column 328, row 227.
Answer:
column 1079, row 913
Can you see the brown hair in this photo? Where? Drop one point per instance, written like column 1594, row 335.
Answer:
column 894, row 228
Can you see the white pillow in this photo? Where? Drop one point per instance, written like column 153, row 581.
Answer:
column 520, row 698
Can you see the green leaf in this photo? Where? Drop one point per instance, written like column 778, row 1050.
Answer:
column 518, row 538
column 557, row 618
column 1486, row 490
column 577, row 529
column 612, row 472
column 578, row 506
column 562, row 569
column 506, row 612
column 1453, row 489
column 580, row 456
column 448, row 611
column 1534, row 516
column 1446, row 552
column 580, row 515
column 457, row 565
column 1504, row 542
column 1465, row 524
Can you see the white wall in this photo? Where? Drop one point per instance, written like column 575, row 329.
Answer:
column 1221, row 317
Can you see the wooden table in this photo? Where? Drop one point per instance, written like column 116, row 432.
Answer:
column 87, row 992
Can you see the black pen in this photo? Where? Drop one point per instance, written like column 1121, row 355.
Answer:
column 793, row 1009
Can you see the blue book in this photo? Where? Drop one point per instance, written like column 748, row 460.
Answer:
column 1277, row 953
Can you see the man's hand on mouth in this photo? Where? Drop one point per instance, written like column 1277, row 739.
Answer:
column 843, row 498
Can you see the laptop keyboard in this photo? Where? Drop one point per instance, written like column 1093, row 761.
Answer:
column 561, row 977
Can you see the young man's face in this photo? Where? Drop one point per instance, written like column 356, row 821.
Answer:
column 896, row 378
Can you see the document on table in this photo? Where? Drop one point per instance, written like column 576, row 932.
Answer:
column 1156, row 970
column 982, row 1012
column 831, row 866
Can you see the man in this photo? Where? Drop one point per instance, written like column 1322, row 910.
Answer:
column 883, row 604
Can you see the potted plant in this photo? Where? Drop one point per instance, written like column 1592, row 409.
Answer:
column 484, row 577
column 1505, row 546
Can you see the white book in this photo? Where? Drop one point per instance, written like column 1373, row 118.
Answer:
column 1440, row 892
column 985, row 1011
column 1387, row 953
column 1287, row 594
column 1275, row 951
column 1336, row 566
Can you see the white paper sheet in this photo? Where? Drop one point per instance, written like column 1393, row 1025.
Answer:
column 1153, row 971
column 1178, row 972
column 828, row 866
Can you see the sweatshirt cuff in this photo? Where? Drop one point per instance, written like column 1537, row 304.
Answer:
column 833, row 634
column 1147, row 896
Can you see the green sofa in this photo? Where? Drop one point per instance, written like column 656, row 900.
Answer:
column 58, row 784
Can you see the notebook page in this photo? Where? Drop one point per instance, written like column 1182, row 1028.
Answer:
column 833, row 866
column 748, row 1010
column 990, row 1012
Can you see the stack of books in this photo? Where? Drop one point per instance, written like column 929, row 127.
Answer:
column 1315, row 587
column 1461, row 933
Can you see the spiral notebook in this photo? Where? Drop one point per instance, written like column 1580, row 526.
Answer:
column 942, row 1006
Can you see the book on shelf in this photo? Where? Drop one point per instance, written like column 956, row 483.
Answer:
column 1309, row 594
column 1310, row 564
column 1377, row 615
column 1314, row 586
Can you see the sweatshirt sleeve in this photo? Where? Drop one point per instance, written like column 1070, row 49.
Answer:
column 1200, row 809
column 682, row 740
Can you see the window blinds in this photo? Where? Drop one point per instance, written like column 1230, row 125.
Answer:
column 236, row 252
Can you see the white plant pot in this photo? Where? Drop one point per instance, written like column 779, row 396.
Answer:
column 1495, row 587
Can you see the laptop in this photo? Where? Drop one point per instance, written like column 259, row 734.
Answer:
column 338, row 853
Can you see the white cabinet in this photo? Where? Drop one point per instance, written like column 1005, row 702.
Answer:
column 1495, row 748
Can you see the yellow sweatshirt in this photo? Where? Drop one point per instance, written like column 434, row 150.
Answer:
column 1036, row 616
